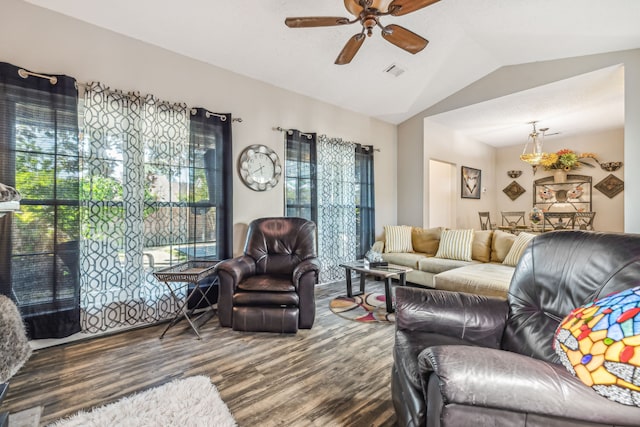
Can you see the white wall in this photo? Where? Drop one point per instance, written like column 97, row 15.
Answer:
column 446, row 145
column 608, row 145
column 442, row 194
column 44, row 41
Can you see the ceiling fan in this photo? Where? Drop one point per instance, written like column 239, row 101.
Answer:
column 368, row 12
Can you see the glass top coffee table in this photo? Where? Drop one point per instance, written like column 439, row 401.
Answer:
column 387, row 272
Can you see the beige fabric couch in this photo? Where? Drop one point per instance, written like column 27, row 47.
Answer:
column 484, row 275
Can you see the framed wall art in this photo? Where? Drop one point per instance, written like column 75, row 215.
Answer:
column 513, row 190
column 610, row 186
column 471, row 181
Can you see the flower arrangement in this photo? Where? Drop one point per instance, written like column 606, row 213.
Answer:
column 567, row 160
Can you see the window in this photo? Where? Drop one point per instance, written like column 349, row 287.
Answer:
column 338, row 177
column 39, row 157
column 365, row 200
column 154, row 194
column 300, row 175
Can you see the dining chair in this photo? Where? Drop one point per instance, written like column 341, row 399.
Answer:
column 559, row 221
column 584, row 220
column 485, row 221
column 513, row 219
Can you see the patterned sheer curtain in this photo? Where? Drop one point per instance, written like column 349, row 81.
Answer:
column 337, row 235
column 39, row 157
column 135, row 212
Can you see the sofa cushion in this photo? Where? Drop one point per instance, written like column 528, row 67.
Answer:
column 455, row 244
column 481, row 247
column 397, row 238
column 407, row 259
column 500, row 245
column 517, row 249
column 438, row 265
column 426, row 240
column 482, row 279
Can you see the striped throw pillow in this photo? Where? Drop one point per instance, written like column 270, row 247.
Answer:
column 456, row 244
column 517, row 249
column 397, row 238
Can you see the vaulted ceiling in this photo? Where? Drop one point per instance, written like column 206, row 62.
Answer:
column 468, row 40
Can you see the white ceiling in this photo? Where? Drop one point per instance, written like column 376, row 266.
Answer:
column 468, row 40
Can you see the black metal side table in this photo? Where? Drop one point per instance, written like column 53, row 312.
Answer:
column 192, row 271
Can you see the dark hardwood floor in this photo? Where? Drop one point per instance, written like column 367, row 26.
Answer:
column 336, row 374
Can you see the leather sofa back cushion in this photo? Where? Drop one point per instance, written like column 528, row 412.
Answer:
column 426, row 240
column 567, row 269
column 481, row 248
column 501, row 244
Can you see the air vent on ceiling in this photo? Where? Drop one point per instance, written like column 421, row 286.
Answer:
column 394, row 70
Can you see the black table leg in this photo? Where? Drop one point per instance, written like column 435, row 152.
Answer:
column 362, row 279
column 349, row 291
column 387, row 294
column 403, row 279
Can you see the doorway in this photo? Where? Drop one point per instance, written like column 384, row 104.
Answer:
column 442, row 194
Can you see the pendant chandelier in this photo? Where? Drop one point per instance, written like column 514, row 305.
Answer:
column 536, row 155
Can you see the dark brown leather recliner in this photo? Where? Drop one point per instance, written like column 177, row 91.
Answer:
column 271, row 287
column 469, row 360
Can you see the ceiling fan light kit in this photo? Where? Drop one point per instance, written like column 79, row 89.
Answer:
column 368, row 12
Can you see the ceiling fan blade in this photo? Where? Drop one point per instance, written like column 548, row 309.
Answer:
column 402, row 7
column 350, row 49
column 404, row 39
column 315, row 21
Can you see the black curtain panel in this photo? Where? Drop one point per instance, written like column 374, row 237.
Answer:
column 301, row 196
column 365, row 199
column 211, row 160
column 39, row 157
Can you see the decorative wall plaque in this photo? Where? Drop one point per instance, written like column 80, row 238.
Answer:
column 610, row 186
column 513, row 190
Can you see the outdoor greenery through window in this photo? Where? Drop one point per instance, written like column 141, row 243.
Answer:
column 39, row 157
column 139, row 185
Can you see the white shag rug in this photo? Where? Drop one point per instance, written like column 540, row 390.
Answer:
column 190, row 402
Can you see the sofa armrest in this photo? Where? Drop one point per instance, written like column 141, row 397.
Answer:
column 310, row 265
column 474, row 318
column 238, row 268
column 491, row 378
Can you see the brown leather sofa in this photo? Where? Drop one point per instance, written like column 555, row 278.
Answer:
column 271, row 287
column 463, row 359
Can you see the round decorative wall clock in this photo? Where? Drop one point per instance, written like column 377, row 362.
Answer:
column 259, row 167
